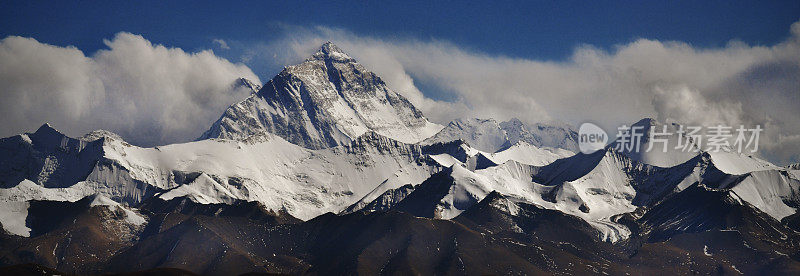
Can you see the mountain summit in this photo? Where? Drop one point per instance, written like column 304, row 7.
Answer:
column 326, row 101
column 328, row 50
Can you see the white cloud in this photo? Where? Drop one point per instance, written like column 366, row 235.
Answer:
column 736, row 84
column 221, row 44
column 149, row 94
column 152, row 94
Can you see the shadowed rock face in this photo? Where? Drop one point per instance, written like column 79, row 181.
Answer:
column 83, row 238
column 326, row 101
column 47, row 157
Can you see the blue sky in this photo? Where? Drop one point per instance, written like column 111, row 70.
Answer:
column 151, row 71
column 541, row 30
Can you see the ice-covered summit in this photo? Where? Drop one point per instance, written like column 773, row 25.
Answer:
column 332, row 52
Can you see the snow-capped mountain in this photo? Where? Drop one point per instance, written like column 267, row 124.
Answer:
column 550, row 135
column 326, row 101
column 483, row 134
column 47, row 157
column 491, row 136
column 325, row 157
column 373, row 173
column 597, row 187
column 281, row 175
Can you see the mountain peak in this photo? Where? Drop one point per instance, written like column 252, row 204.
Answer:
column 329, row 46
column 100, row 133
column 326, row 101
column 482, row 134
column 329, row 51
column 46, row 125
column 46, row 129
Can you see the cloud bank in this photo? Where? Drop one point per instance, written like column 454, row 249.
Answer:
column 149, row 94
column 667, row 80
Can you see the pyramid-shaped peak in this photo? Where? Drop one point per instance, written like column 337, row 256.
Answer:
column 47, row 128
column 328, row 50
column 326, row 101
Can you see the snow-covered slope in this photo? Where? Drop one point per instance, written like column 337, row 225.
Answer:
column 281, row 175
column 772, row 191
column 617, row 184
column 326, row 101
column 490, row 136
column 131, row 216
column 265, row 168
column 27, row 190
column 598, row 187
column 461, row 155
column 550, row 135
column 739, row 163
column 482, row 134
column 448, row 195
column 526, row 153
column 13, row 215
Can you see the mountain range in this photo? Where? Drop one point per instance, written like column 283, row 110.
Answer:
column 324, row 169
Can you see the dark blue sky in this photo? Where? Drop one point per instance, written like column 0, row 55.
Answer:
column 542, row 30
